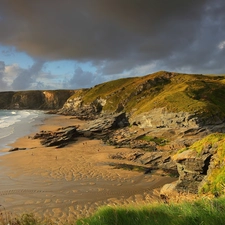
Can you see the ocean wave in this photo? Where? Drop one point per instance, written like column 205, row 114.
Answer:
column 6, row 132
column 8, row 121
column 18, row 123
column 9, row 118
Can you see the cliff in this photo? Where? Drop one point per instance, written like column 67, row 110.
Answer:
column 161, row 99
column 44, row 100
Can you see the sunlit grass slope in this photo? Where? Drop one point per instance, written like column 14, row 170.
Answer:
column 205, row 212
column 176, row 92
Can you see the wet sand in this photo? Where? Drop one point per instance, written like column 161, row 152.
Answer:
column 71, row 182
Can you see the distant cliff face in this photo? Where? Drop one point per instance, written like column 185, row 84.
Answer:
column 45, row 100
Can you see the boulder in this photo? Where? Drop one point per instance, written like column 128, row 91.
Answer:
column 168, row 190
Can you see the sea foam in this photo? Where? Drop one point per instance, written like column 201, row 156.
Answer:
column 18, row 123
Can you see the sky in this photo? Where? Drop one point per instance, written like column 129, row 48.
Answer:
column 72, row 44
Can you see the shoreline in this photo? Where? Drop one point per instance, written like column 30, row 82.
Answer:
column 22, row 123
column 71, row 182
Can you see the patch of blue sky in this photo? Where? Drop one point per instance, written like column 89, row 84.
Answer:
column 10, row 55
column 87, row 66
column 67, row 67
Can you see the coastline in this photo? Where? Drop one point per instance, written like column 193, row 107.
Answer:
column 71, row 182
column 21, row 124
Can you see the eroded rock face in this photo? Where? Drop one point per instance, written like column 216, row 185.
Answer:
column 160, row 118
column 76, row 107
column 106, row 122
column 44, row 100
column 192, row 168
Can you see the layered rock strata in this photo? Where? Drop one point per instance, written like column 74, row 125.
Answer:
column 44, row 100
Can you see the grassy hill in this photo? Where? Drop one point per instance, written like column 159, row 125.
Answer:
column 200, row 94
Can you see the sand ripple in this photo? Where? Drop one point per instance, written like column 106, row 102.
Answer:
column 69, row 183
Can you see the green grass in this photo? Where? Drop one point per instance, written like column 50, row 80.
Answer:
column 157, row 140
column 199, row 94
column 205, row 212
column 210, row 140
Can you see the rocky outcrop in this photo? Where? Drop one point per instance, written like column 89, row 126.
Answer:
column 194, row 167
column 107, row 122
column 154, row 161
column 161, row 118
column 59, row 138
column 77, row 107
column 99, row 128
column 44, row 100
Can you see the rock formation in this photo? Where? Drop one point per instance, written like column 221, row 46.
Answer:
column 59, row 138
column 201, row 165
column 44, row 100
column 192, row 168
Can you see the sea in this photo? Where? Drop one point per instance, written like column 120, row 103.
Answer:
column 18, row 123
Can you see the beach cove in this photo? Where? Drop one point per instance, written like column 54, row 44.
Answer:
column 71, row 182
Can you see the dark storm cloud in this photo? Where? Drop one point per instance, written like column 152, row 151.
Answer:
column 118, row 35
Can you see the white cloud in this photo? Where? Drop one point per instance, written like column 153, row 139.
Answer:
column 33, row 78
column 143, row 69
column 221, row 45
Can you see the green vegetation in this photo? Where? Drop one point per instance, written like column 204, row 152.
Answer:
column 212, row 140
column 200, row 94
column 157, row 140
column 203, row 211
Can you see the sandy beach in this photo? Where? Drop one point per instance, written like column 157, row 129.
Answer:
column 71, row 182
